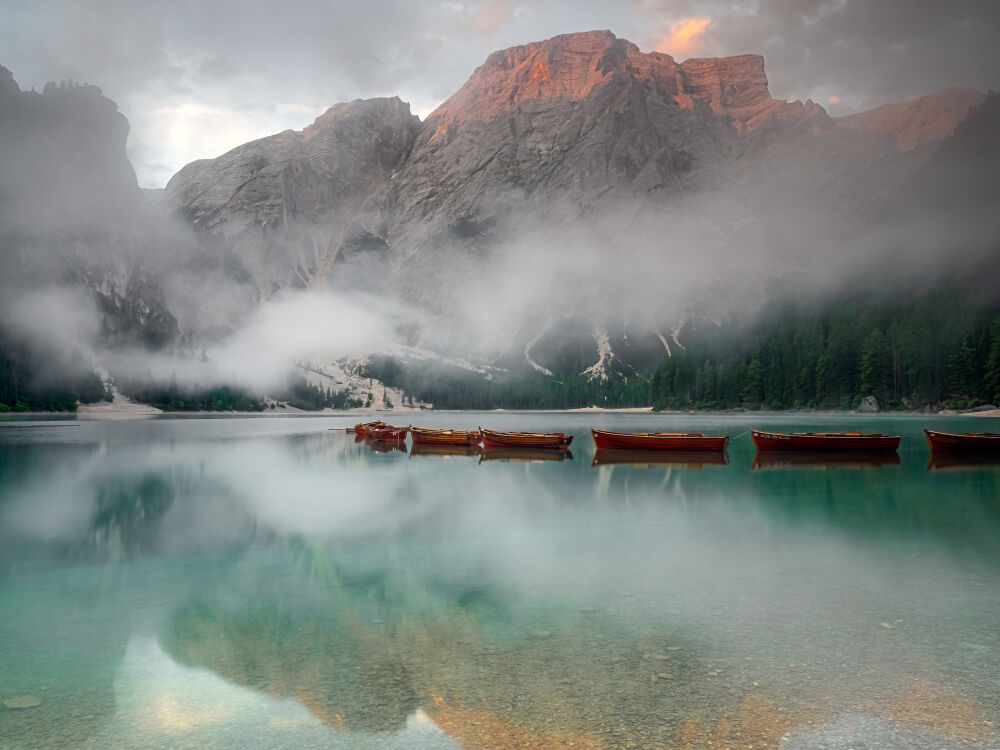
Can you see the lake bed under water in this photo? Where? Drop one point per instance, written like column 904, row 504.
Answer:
column 270, row 582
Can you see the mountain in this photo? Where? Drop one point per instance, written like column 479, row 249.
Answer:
column 577, row 207
column 578, row 152
column 63, row 155
column 909, row 124
column 284, row 202
column 68, row 200
column 71, row 213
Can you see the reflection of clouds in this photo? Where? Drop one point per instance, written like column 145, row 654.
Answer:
column 42, row 499
column 160, row 703
column 550, row 587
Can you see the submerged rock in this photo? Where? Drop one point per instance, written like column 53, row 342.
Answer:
column 21, row 701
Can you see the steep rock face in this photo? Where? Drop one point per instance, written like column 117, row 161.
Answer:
column 736, row 88
column 285, row 201
column 578, row 152
column 573, row 129
column 72, row 215
column 962, row 177
column 67, row 193
column 62, row 155
column 571, row 66
column 909, row 124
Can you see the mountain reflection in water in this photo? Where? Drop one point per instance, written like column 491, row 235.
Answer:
column 255, row 582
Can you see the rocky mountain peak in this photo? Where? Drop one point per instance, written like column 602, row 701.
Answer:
column 364, row 112
column 8, row 86
column 62, row 154
column 571, row 66
column 911, row 123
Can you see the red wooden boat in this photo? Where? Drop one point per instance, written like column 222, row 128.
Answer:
column 545, row 440
column 364, row 427
column 659, row 441
column 387, row 434
column 823, row 441
column 962, row 441
column 428, row 436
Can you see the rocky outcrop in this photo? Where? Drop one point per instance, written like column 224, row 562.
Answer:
column 909, row 124
column 572, row 66
column 634, row 191
column 581, row 139
column 736, row 88
column 62, row 156
column 72, row 214
column 284, row 202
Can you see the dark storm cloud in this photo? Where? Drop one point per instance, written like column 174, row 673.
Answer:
column 196, row 78
column 863, row 51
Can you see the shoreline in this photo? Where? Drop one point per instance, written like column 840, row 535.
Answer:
column 134, row 410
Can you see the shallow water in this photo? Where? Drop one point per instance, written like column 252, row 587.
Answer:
column 268, row 582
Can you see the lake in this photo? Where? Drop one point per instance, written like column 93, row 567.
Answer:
column 261, row 582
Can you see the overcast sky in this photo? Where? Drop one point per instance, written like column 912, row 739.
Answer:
column 198, row 77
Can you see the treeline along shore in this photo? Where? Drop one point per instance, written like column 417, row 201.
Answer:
column 942, row 349
column 937, row 349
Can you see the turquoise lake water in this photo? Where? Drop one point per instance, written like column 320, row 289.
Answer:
column 262, row 582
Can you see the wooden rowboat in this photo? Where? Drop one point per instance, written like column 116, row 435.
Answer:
column 428, row 436
column 659, row 441
column 543, row 440
column 823, row 441
column 962, row 441
column 387, row 434
column 363, row 428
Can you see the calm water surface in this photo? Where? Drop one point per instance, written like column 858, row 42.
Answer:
column 262, row 582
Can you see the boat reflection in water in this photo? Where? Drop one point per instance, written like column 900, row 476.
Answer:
column 444, row 451
column 524, row 454
column 824, row 459
column 646, row 459
column 385, row 446
column 957, row 461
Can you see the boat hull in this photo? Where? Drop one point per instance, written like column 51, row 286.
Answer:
column 387, row 434
column 538, row 440
column 658, row 441
column 820, row 441
column 425, row 436
column 962, row 441
column 365, row 428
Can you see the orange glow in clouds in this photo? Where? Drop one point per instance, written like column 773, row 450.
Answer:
column 683, row 37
